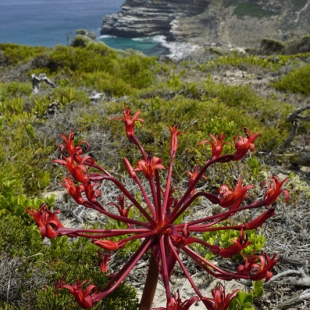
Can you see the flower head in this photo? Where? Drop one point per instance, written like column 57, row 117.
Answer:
column 71, row 149
column 274, row 190
column 243, row 144
column 260, row 220
column 258, row 267
column 104, row 258
column 73, row 190
column 193, row 175
column 238, row 245
column 217, row 145
column 92, row 191
column 175, row 303
column 232, row 199
column 149, row 166
column 129, row 122
column 174, row 138
column 46, row 220
column 77, row 170
column 220, row 300
column 83, row 297
column 122, row 210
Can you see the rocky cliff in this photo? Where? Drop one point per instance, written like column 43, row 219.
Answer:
column 241, row 23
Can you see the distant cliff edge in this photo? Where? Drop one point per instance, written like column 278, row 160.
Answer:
column 232, row 23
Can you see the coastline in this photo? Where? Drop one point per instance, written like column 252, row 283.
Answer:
column 152, row 46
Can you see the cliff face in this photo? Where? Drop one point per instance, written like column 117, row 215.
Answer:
column 240, row 23
column 151, row 17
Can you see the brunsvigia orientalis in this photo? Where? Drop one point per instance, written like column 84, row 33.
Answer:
column 158, row 228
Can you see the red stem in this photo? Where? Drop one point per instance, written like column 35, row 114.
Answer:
column 150, row 285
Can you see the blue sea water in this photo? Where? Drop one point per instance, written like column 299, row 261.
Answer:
column 52, row 22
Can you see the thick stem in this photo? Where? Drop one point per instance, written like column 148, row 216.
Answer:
column 150, row 285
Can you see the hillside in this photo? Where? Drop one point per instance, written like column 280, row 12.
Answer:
column 215, row 92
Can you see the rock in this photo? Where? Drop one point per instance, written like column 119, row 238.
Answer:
column 231, row 23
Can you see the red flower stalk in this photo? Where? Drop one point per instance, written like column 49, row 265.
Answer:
column 106, row 244
column 160, row 230
column 217, row 146
column 260, row 220
column 220, row 300
column 243, row 144
column 46, row 220
column 274, row 190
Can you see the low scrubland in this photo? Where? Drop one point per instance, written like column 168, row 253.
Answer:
column 167, row 92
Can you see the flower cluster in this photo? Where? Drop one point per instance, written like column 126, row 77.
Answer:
column 161, row 235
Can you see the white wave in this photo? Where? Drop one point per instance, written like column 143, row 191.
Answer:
column 158, row 38
column 179, row 50
column 105, row 36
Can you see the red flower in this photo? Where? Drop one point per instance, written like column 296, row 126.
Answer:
column 237, row 246
column 258, row 267
column 174, row 138
column 217, row 145
column 78, row 171
column 129, row 168
column 71, row 148
column 83, row 297
column 149, row 166
column 243, row 144
column 46, row 220
column 232, row 199
column 121, row 206
column 193, row 176
column 106, row 244
column 92, row 193
column 220, row 300
column 74, row 191
column 274, row 190
column 175, row 303
column 129, row 122
column 104, row 259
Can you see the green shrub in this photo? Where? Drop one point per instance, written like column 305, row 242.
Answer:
column 247, row 9
column 296, row 81
column 16, row 53
column 224, row 239
column 35, row 265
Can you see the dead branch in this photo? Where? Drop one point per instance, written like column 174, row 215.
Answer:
column 287, row 304
column 303, row 279
column 36, row 80
column 294, row 119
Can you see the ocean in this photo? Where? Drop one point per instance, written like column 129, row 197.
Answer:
column 52, row 22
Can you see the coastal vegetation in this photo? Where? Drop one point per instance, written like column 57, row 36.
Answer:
column 194, row 94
